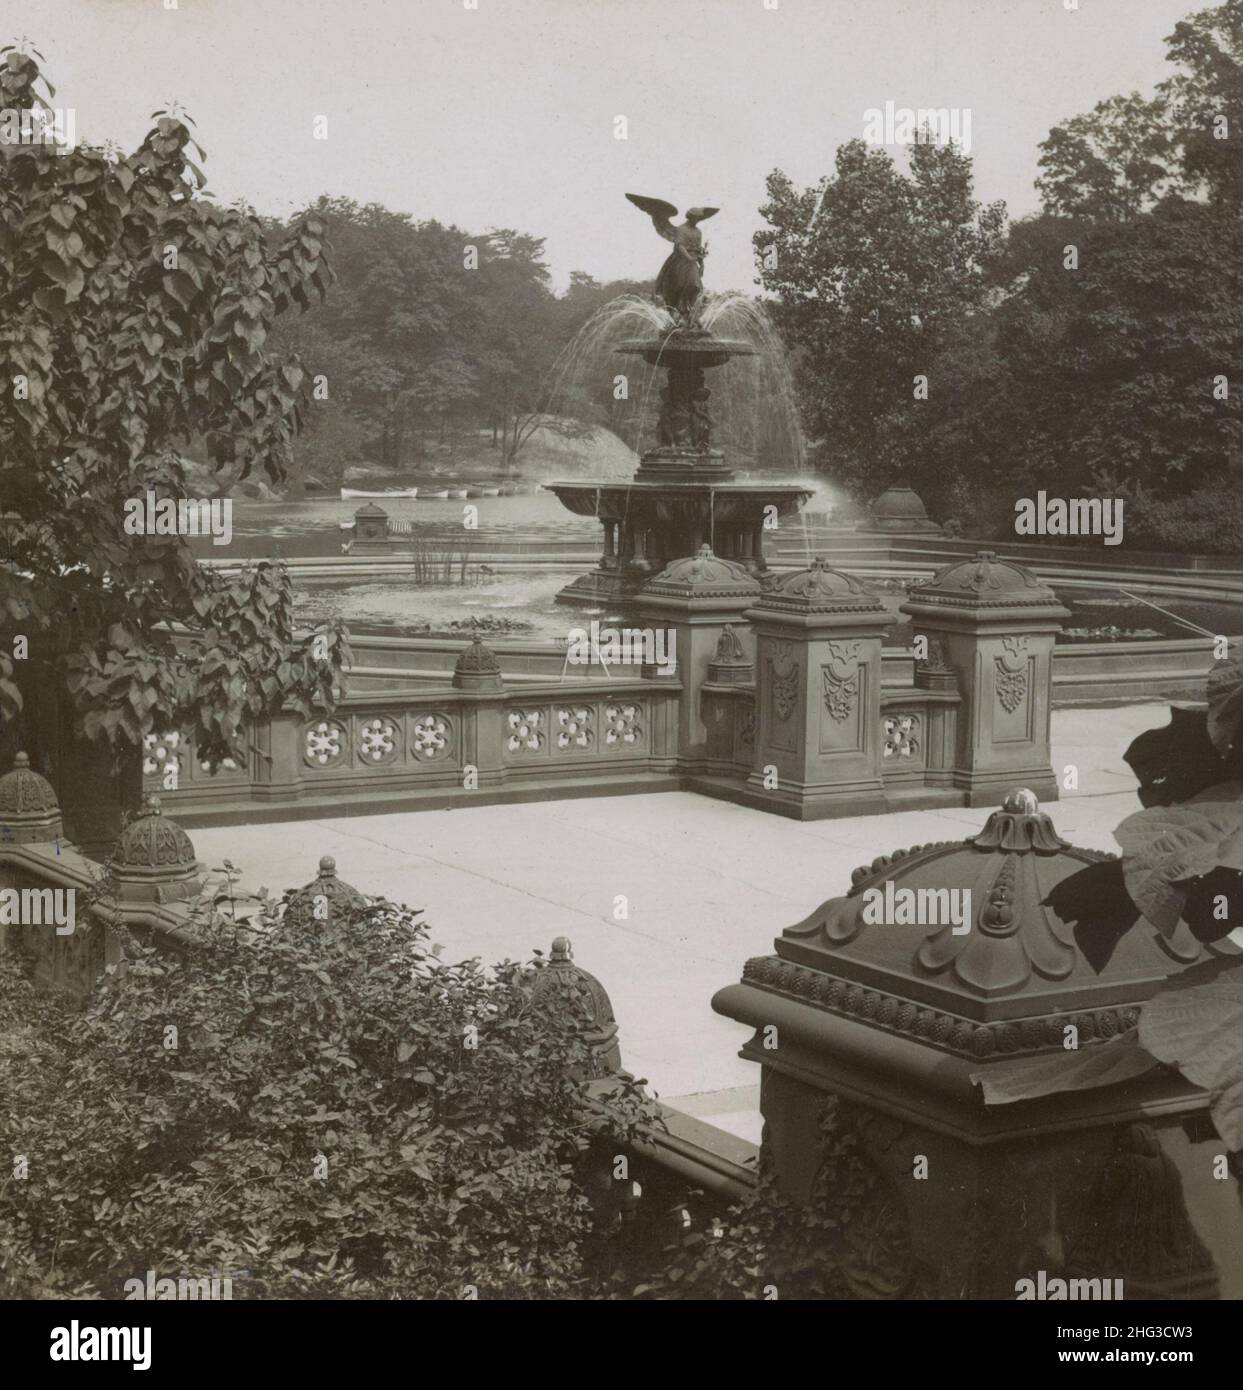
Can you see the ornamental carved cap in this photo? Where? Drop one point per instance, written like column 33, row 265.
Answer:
column 152, row 841
column 820, row 589
column 989, row 944
column 984, row 581
column 326, row 898
column 153, row 859
column 579, row 1002
column 29, row 810
column 478, row 660
column 704, row 575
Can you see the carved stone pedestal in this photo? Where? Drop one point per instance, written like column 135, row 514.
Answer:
column 878, row 1042
column 993, row 624
column 818, row 677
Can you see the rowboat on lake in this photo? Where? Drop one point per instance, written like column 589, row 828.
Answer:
column 393, row 492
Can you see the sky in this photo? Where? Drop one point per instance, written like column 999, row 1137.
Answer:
column 505, row 115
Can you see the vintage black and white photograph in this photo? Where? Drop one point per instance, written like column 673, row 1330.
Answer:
column 621, row 660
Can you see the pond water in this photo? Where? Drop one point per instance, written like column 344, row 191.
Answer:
column 524, row 599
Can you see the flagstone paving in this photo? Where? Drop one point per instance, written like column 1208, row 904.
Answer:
column 705, row 885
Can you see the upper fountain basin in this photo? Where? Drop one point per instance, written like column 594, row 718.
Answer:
column 688, row 344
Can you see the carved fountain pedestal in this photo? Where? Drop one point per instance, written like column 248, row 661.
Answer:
column 876, row 1040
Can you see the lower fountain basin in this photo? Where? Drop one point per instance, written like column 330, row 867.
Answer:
column 650, row 522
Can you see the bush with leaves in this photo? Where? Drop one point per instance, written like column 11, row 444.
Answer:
column 337, row 1112
column 135, row 318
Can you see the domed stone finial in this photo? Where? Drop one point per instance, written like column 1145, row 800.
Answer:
column 820, row 589
column 899, row 509
column 578, row 1001
column 477, row 668
column 1019, row 826
column 703, row 576
column 153, row 859
column 29, row 810
column 327, row 898
column 984, row 580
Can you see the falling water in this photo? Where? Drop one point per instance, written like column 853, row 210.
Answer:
column 754, row 404
column 754, row 411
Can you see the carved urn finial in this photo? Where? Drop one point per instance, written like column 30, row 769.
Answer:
column 29, row 810
column 153, row 860
column 579, row 1003
column 477, row 668
column 325, row 899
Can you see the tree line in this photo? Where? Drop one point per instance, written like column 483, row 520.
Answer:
column 430, row 335
column 1087, row 349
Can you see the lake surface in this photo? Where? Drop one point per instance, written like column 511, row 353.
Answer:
column 536, row 523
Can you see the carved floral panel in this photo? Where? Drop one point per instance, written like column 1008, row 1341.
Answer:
column 430, row 736
column 525, row 730
column 574, row 726
column 623, row 726
column 324, row 743
column 901, row 736
column 379, row 740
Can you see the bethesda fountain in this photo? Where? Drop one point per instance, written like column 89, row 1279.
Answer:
column 683, row 495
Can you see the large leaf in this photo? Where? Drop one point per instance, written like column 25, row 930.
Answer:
column 1164, row 846
column 1026, row 1078
column 1196, row 1024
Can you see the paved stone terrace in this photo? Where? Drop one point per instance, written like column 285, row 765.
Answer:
column 708, row 884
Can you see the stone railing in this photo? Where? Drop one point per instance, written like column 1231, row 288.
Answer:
column 420, row 745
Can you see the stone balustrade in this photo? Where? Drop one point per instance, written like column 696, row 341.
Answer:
column 784, row 698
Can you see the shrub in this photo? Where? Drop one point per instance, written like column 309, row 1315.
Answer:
column 1208, row 521
column 334, row 1111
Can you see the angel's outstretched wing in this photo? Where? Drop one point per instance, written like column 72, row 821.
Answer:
column 659, row 211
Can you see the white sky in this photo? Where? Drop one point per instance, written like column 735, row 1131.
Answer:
column 503, row 116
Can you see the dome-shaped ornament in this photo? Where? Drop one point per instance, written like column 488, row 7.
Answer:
column 326, row 898
column 703, row 575
column 153, row 860
column 900, row 509
column 984, row 580
column 977, row 946
column 29, row 811
column 477, row 668
column 820, row 589
column 579, row 1002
